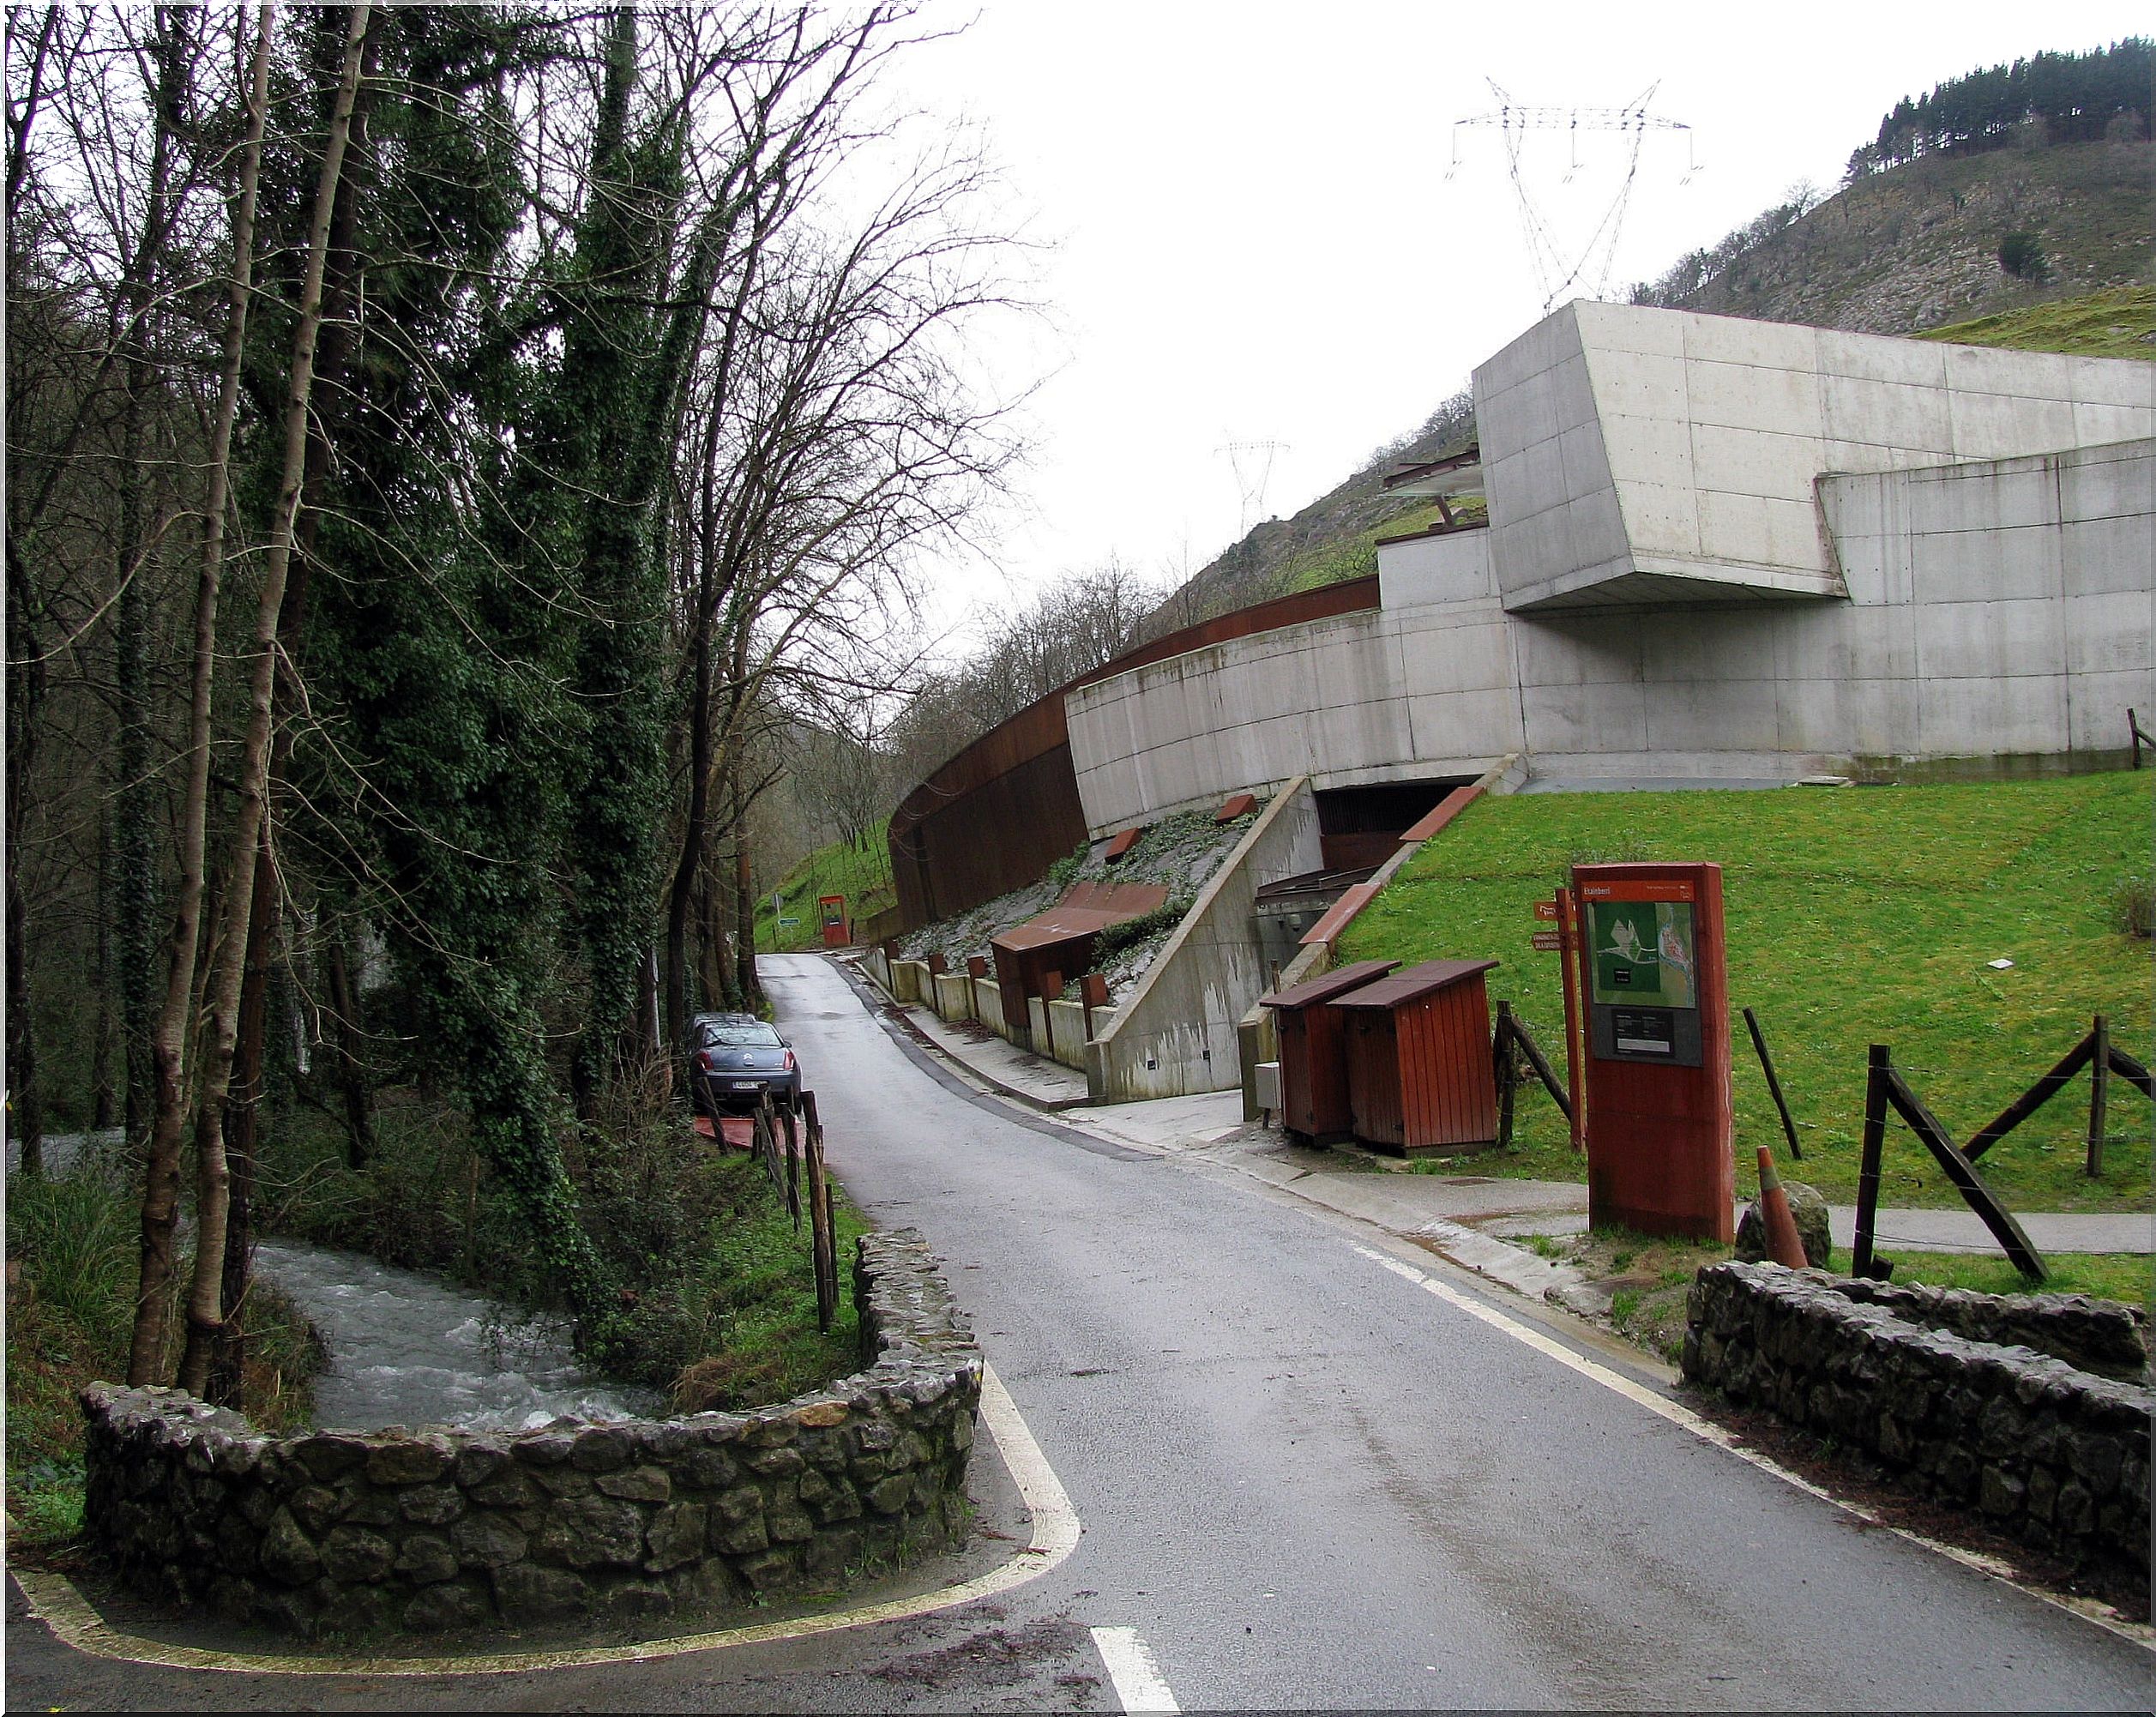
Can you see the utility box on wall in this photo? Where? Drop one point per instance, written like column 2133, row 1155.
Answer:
column 1653, row 972
column 1419, row 1077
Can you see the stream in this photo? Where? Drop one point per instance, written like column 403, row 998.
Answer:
column 408, row 1349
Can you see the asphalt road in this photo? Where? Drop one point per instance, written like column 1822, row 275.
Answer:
column 1304, row 1480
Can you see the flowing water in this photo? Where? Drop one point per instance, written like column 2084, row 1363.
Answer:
column 408, row 1349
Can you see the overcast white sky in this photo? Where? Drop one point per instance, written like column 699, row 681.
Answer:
column 1252, row 237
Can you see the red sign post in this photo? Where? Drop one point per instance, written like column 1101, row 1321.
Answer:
column 1649, row 968
column 831, row 911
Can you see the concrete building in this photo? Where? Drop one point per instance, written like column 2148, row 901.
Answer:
column 1714, row 551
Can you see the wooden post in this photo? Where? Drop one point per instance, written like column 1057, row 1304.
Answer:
column 1967, row 1181
column 2134, row 727
column 793, row 1169
column 2099, row 1091
column 2033, row 1099
column 1774, row 1085
column 1875, row 1139
column 822, row 1243
column 1507, row 1069
column 1574, row 958
column 1093, row 992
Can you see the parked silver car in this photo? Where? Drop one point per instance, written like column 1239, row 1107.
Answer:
column 735, row 1059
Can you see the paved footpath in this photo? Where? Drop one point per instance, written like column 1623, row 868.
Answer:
column 1405, row 1204
column 1309, row 1465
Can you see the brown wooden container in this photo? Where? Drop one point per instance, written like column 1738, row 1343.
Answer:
column 1419, row 1078
column 1314, row 1051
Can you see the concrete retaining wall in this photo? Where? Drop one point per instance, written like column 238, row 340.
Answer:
column 446, row 1528
column 953, row 996
column 2053, row 1454
column 1067, row 1027
column 1176, row 1033
column 987, row 1000
column 910, row 980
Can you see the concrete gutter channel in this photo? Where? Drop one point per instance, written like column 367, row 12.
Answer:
column 1470, row 1220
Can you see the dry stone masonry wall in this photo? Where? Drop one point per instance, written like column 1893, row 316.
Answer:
column 446, row 1529
column 1983, row 1402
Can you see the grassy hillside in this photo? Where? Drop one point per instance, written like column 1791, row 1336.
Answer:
column 1909, row 249
column 2117, row 323
column 862, row 874
column 1855, row 916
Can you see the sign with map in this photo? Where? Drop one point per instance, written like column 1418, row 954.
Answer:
column 1641, row 952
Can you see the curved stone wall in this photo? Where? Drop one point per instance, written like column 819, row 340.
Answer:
column 446, row 1529
column 2042, row 1449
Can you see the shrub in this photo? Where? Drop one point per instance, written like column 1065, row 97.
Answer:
column 2134, row 906
column 2021, row 255
column 1164, row 917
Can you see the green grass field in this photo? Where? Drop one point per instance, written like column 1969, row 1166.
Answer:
column 1856, row 915
column 862, row 874
column 2117, row 323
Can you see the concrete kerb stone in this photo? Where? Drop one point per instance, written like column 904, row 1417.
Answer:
column 448, row 1528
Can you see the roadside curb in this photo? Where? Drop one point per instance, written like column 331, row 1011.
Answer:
column 902, row 1014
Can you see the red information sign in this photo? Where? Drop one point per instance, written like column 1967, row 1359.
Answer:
column 1546, row 910
column 1638, row 889
column 1548, row 941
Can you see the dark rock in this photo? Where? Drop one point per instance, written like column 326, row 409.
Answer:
column 776, row 1570
column 315, row 1508
column 509, row 1490
column 424, row 1559
column 593, row 1532
column 743, row 1538
column 452, row 1604
column 603, row 1449
column 888, row 1495
column 487, row 1541
column 355, row 1555
column 431, row 1506
column 409, row 1461
column 635, row 1600
column 676, row 1535
column 525, row 1594
column 287, row 1552
column 329, row 1455
column 637, row 1485
column 477, row 1462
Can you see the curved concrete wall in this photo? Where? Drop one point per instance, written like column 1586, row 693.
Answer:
column 1997, row 610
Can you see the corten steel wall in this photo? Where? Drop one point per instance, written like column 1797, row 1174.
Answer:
column 998, row 814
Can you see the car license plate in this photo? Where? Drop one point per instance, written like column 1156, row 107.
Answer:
column 748, row 1085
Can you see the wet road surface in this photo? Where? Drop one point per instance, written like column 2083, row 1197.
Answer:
column 1304, row 1479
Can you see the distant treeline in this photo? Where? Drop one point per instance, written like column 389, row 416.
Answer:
column 2075, row 97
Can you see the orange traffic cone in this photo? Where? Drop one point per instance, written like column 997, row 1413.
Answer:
column 1783, row 1244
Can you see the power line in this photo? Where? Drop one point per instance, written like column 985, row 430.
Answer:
column 1557, row 268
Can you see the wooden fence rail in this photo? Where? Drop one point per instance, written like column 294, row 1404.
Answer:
column 1885, row 1089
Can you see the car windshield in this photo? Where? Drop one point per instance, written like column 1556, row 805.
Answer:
column 742, row 1037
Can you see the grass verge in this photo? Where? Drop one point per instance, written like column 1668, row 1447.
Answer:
column 862, row 874
column 1854, row 916
column 71, row 1275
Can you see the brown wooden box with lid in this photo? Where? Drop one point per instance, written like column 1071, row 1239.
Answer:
column 1419, row 1077
column 1314, row 1051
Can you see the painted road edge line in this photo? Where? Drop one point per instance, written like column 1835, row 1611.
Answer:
column 55, row 1600
column 1682, row 1416
column 1139, row 1684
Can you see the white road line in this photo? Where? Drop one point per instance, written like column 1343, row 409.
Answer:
column 1139, row 1683
column 1708, row 1431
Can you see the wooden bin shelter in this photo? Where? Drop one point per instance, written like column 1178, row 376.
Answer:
column 1059, row 943
column 1314, row 1051
column 1420, row 1077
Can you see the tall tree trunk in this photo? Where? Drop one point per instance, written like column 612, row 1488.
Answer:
column 744, row 893
column 157, row 1041
column 332, row 357
column 204, row 1304
column 101, row 1093
column 175, row 1019
column 347, row 1033
column 242, row 1111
